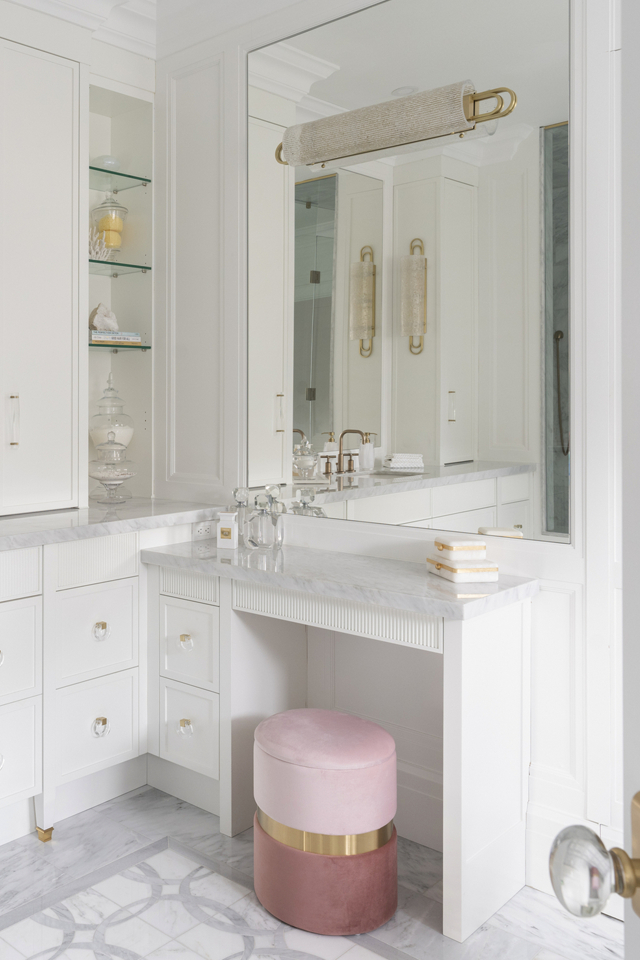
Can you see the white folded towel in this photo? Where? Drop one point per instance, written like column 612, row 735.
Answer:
column 411, row 462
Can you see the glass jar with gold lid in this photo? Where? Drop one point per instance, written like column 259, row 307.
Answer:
column 108, row 218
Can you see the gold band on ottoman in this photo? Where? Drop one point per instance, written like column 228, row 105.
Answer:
column 338, row 845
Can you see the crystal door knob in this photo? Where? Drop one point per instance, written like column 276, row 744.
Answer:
column 101, row 630
column 186, row 728
column 582, row 871
column 100, row 727
column 186, row 641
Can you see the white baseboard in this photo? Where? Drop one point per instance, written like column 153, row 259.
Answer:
column 80, row 795
column 185, row 784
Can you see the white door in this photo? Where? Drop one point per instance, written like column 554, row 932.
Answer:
column 38, row 280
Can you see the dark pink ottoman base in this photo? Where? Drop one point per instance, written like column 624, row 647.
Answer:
column 335, row 896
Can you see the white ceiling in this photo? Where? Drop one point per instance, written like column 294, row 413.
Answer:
column 522, row 44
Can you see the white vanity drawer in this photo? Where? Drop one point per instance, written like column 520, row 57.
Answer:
column 96, row 630
column 97, row 560
column 20, row 573
column 514, row 488
column 190, row 642
column 392, row 507
column 20, row 649
column 466, row 522
column 459, row 497
column 20, row 750
column 197, row 745
column 86, row 745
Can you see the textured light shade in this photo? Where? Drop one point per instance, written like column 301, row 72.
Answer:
column 420, row 116
column 362, row 301
column 413, row 296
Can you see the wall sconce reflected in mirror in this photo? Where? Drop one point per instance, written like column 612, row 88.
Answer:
column 362, row 301
column 413, row 296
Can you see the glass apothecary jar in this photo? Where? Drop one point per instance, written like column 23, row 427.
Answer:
column 111, row 418
column 112, row 470
column 304, row 461
column 108, row 218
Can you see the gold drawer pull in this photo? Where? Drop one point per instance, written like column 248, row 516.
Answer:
column 101, row 630
column 186, row 728
column 100, row 727
column 186, row 641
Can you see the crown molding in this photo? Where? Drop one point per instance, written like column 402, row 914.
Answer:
column 130, row 24
column 287, row 71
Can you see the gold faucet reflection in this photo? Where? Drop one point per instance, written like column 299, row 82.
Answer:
column 341, row 454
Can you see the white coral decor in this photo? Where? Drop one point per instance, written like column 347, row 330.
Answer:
column 97, row 247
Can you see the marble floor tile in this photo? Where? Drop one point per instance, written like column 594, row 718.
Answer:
column 541, row 919
column 24, row 874
column 327, row 948
column 87, row 841
column 136, row 936
column 30, row 937
column 9, row 953
column 174, row 951
column 416, row 930
column 156, row 815
column 548, row 955
column 419, row 868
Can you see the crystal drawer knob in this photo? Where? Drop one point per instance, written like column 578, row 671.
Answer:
column 1, row 658
column 101, row 630
column 186, row 641
column 583, row 871
column 186, row 728
column 1, row 761
column 100, row 727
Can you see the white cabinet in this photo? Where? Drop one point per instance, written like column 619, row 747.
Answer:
column 96, row 630
column 97, row 724
column 190, row 642
column 20, row 649
column 189, row 727
column 39, row 268
column 270, row 306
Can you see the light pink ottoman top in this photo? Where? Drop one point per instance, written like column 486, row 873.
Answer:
column 325, row 772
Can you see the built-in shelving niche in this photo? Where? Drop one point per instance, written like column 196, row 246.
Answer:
column 122, row 126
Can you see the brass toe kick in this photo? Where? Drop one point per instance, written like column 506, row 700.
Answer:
column 44, row 835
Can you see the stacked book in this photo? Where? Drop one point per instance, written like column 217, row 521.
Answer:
column 114, row 336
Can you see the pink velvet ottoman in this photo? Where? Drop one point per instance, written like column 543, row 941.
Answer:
column 325, row 844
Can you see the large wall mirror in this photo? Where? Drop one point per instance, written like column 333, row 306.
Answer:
column 416, row 295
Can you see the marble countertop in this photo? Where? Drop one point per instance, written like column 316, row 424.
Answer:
column 360, row 486
column 401, row 584
column 36, row 529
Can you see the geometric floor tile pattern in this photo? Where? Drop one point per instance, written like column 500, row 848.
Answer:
column 149, row 876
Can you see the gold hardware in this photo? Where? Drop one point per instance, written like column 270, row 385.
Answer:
column 340, row 453
column 332, row 845
column 444, row 546
column 331, row 434
column 101, row 625
column 279, row 156
column 443, row 566
column 185, row 638
column 44, row 835
column 185, row 723
column 367, row 351
column 101, row 720
column 470, row 100
column 301, row 432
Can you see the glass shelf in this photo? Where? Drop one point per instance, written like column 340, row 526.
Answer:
column 110, row 268
column 121, row 346
column 111, row 182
